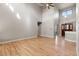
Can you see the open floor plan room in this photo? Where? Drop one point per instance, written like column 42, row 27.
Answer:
column 38, row 29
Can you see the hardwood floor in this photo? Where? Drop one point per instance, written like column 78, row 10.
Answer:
column 38, row 47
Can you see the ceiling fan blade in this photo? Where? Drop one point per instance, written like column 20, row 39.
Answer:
column 51, row 5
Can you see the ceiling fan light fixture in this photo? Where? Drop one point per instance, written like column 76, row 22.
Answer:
column 47, row 5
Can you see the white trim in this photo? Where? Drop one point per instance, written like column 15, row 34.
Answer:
column 18, row 39
column 70, row 40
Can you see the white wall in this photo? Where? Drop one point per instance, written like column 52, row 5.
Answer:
column 77, row 28
column 69, row 19
column 49, row 16
column 13, row 28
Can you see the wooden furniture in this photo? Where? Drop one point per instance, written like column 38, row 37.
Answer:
column 66, row 27
column 63, row 30
column 69, row 27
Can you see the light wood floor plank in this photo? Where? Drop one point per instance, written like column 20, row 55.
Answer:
column 40, row 46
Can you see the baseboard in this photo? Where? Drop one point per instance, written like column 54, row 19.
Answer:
column 46, row 36
column 18, row 39
column 70, row 40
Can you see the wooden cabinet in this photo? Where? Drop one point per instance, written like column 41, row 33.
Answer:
column 66, row 27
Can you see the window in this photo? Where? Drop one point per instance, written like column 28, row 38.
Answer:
column 64, row 14
column 67, row 13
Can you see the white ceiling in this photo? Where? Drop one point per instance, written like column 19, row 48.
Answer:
column 63, row 5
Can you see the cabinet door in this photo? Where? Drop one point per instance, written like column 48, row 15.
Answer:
column 71, row 27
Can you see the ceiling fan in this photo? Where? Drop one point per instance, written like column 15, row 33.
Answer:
column 48, row 5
